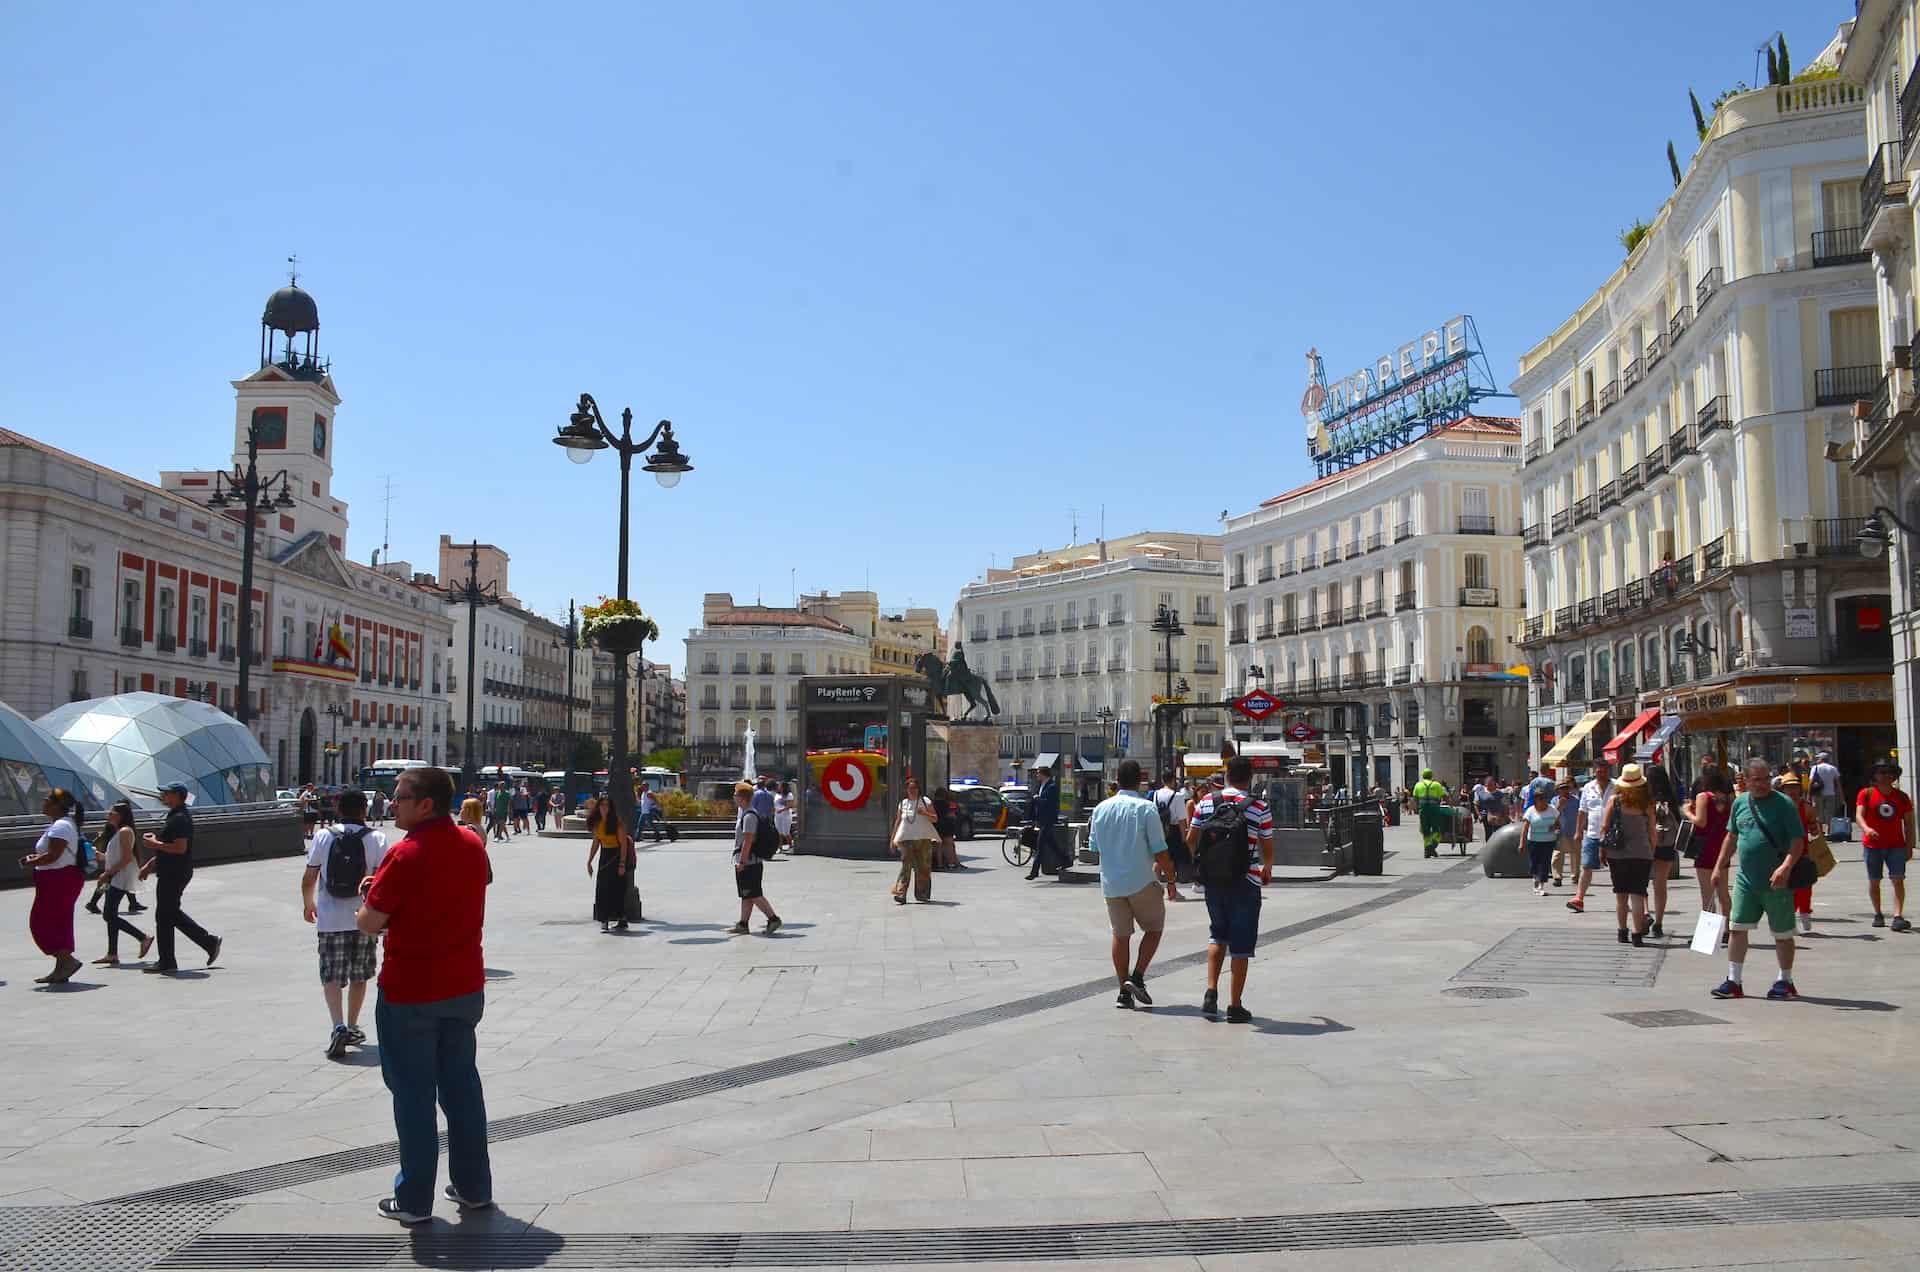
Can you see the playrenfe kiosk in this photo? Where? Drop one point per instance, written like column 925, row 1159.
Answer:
column 863, row 735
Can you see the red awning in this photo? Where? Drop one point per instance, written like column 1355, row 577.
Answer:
column 1621, row 739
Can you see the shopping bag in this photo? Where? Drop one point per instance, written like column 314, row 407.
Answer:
column 1821, row 852
column 1840, row 829
column 1707, row 931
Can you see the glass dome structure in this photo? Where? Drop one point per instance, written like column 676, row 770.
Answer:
column 145, row 741
column 33, row 762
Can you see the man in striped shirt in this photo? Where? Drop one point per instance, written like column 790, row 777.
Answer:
column 1233, row 912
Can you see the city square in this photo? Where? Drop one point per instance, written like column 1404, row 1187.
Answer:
column 1606, row 1114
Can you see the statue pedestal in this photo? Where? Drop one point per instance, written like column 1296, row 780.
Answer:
column 973, row 750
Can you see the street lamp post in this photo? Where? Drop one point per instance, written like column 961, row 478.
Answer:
column 584, row 433
column 473, row 595
column 1166, row 624
column 571, row 642
column 333, row 741
column 248, row 489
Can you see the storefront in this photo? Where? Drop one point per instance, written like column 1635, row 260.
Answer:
column 1783, row 718
column 864, row 736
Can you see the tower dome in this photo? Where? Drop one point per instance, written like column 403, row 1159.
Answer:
column 291, row 310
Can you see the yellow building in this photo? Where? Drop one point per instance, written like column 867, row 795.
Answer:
column 1883, row 54
column 1692, row 571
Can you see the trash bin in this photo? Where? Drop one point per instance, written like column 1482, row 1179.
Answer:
column 1367, row 844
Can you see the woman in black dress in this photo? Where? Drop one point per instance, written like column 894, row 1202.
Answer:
column 614, row 848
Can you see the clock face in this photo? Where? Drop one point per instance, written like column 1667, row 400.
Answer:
column 319, row 435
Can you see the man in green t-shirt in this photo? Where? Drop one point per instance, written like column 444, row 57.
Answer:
column 1766, row 835
column 1430, row 797
column 502, row 809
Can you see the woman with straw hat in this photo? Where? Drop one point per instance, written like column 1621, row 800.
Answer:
column 1627, row 839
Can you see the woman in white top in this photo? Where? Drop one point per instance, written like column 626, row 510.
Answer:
column 914, row 835
column 120, row 871
column 57, row 881
column 783, row 814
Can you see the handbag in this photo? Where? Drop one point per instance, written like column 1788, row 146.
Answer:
column 1805, row 873
column 1610, row 829
column 1683, row 841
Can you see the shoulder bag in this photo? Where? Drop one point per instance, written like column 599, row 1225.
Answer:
column 1805, row 873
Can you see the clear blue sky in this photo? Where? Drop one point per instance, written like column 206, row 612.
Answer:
column 913, row 281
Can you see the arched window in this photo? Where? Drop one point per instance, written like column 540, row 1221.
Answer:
column 766, row 728
column 1479, row 644
column 709, row 729
column 739, row 726
column 1650, row 662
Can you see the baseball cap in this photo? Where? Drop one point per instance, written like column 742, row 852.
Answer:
column 175, row 788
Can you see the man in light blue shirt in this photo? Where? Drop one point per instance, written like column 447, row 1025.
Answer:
column 1125, row 834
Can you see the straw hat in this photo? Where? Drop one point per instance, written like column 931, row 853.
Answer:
column 1788, row 778
column 1631, row 775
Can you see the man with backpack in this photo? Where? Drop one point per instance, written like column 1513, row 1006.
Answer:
column 341, row 856
column 1227, row 829
column 754, row 844
column 1171, row 804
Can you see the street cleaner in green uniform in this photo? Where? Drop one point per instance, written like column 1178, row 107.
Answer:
column 1436, row 818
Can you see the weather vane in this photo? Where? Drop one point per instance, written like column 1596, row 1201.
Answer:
column 293, row 270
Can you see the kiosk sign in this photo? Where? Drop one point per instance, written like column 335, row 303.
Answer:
column 846, row 783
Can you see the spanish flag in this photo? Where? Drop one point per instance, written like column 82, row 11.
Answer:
column 337, row 643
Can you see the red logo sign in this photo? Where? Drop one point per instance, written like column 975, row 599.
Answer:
column 1302, row 732
column 846, row 783
column 1256, row 705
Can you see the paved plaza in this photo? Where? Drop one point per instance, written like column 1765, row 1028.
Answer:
column 1444, row 1072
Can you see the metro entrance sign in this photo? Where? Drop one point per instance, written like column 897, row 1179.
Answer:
column 1257, row 705
column 1302, row 732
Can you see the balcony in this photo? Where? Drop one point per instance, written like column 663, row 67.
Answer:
column 1843, row 386
column 1576, row 688
column 1533, row 629
column 1403, row 675
column 1656, row 349
column 1238, row 636
column 1286, row 626
column 1311, row 623
column 1835, row 536
column 1403, row 532
column 1070, row 668
column 1563, row 432
column 1025, row 673
column 1716, row 415
column 1048, row 627
column 1533, row 451
column 1600, row 687
column 1206, row 667
column 165, row 643
column 1376, row 541
column 1480, row 597
column 1583, row 509
column 1003, row 633
column 1206, row 618
column 1332, row 619
column 1352, row 613
column 1093, row 619
column 228, row 653
column 1533, row 536
column 130, row 637
column 1002, row 675
column 1563, row 619
column 1681, row 320
column 1609, row 395
column 1610, row 601
column 1883, row 198
column 1475, row 523
column 1120, row 664
column 1623, row 686
column 1609, row 495
column 80, row 628
column 1656, row 461
column 1839, row 247
column 1071, row 623
column 1309, row 562
column 1589, row 610
column 1585, row 414
column 1704, row 290
column 1630, row 374
column 1265, row 574
column 1366, row 680
column 1288, row 569
column 1909, row 105
column 196, row 648
column 1403, row 602
column 1714, row 555
column 1264, row 631
column 1045, row 717
column 1331, row 556
column 1116, row 619
column 1680, row 444
column 1683, row 576
column 1025, row 629
column 1632, row 478
column 1636, row 592
column 1237, row 581
column 1047, row 673
column 1563, row 521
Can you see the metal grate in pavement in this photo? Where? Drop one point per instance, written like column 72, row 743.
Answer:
column 1484, row 991
column 1665, row 1019
column 1566, row 956
column 1443, row 1225
column 346, row 1161
column 96, row 1238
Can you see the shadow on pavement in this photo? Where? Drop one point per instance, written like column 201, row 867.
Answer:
column 1850, row 1004
column 71, row 987
column 1301, row 1028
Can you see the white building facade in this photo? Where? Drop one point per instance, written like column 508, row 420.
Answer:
column 1692, row 561
column 1389, row 592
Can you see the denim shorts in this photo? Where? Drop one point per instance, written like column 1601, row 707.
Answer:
column 1590, row 854
column 1233, row 918
column 1891, row 861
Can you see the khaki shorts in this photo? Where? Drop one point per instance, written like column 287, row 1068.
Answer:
column 1147, row 907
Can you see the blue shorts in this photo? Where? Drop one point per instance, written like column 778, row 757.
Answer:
column 1590, row 854
column 1893, row 861
column 1233, row 918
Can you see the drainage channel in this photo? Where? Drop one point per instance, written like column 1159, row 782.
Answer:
column 346, row 1161
column 1448, row 1225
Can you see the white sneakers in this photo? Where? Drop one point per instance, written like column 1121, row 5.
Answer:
column 1806, row 923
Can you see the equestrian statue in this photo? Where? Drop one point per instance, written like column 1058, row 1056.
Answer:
column 956, row 678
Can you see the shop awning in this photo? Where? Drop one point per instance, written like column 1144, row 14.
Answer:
column 1049, row 760
column 1625, row 737
column 1650, row 749
column 1575, row 736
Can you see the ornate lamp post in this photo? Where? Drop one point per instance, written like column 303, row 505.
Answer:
column 473, row 594
column 584, row 433
column 571, row 643
column 334, row 714
column 247, row 488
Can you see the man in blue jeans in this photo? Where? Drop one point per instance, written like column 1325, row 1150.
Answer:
column 1233, row 911
column 430, row 898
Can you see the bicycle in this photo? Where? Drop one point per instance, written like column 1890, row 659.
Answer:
column 1014, row 848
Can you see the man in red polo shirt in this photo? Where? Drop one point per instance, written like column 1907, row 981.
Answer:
column 1884, row 812
column 430, row 898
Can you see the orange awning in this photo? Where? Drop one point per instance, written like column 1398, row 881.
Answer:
column 1621, row 739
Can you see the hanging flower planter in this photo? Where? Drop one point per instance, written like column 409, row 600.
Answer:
column 617, row 626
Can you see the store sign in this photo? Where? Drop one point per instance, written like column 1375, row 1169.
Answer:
column 843, row 695
column 1802, row 624
column 1257, row 705
column 1397, row 372
column 1479, row 596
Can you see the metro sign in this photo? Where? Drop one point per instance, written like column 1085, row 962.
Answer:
column 1257, row 705
column 1302, row 732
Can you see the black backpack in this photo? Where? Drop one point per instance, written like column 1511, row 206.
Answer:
column 766, row 838
column 1223, row 855
column 1163, row 804
column 346, row 862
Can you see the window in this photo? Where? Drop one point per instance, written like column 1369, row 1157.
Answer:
column 1479, row 571
column 77, row 690
column 739, row 664
column 130, row 605
column 286, row 635
column 82, row 591
column 197, row 618
column 226, row 626
column 165, row 621
column 1410, row 718
column 1479, row 646
column 1117, row 608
